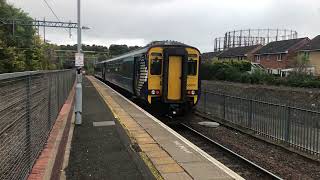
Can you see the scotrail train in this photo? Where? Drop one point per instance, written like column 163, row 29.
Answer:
column 164, row 74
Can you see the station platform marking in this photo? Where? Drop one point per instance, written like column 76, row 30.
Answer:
column 173, row 156
column 103, row 123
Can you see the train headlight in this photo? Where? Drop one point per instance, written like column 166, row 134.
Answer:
column 191, row 92
column 154, row 92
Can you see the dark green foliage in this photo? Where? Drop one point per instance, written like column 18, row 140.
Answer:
column 224, row 70
column 21, row 50
column 303, row 80
column 23, row 36
column 96, row 48
column 236, row 72
column 132, row 48
column 116, row 50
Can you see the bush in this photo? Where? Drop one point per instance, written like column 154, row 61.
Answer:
column 237, row 72
column 242, row 66
column 245, row 78
column 224, row 70
column 302, row 80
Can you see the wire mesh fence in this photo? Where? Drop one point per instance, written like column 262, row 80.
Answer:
column 297, row 127
column 29, row 105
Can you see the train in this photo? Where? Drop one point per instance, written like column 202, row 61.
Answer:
column 163, row 74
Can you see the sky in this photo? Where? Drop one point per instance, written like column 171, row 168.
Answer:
column 194, row 22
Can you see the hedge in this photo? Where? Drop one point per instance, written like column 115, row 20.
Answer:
column 240, row 72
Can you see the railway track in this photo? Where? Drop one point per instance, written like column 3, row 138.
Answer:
column 239, row 164
column 244, row 167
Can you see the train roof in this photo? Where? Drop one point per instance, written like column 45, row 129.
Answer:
column 146, row 48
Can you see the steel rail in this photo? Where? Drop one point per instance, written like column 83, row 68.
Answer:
column 232, row 152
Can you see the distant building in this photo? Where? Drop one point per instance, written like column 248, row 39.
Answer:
column 209, row 56
column 239, row 53
column 278, row 57
column 312, row 52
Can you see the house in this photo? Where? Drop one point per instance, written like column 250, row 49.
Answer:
column 279, row 56
column 239, row 53
column 312, row 53
column 209, row 56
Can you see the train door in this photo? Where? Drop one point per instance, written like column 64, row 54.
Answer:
column 174, row 77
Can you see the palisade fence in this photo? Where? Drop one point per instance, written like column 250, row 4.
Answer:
column 297, row 127
column 29, row 105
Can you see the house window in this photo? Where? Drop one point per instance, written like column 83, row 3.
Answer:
column 279, row 57
column 257, row 58
column 306, row 55
column 270, row 71
column 240, row 57
column 279, row 71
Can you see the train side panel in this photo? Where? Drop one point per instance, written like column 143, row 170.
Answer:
column 120, row 73
column 140, row 83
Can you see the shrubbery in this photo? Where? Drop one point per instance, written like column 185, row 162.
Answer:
column 239, row 71
column 224, row 70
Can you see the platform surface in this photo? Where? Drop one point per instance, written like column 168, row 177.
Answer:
column 96, row 149
column 170, row 154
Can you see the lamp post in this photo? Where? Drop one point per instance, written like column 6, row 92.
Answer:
column 79, row 58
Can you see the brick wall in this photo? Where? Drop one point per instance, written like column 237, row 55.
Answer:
column 250, row 55
column 271, row 62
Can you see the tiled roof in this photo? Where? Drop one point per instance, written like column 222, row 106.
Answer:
column 238, row 51
column 209, row 55
column 314, row 44
column 279, row 46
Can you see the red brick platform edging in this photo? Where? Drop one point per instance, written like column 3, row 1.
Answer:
column 50, row 159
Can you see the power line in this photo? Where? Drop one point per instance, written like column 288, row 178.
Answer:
column 48, row 5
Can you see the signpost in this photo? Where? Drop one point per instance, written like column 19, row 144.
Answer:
column 79, row 59
column 79, row 62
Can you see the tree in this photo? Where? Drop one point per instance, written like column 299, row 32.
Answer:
column 17, row 43
column 116, row 50
column 301, row 63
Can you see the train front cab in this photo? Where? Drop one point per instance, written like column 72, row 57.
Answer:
column 173, row 77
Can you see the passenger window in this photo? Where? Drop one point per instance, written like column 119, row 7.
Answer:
column 192, row 67
column 156, row 67
column 156, row 54
column 192, row 55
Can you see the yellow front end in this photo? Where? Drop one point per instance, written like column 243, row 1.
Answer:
column 178, row 69
column 193, row 77
column 155, row 77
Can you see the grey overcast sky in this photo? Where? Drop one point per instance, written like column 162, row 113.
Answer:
column 195, row 22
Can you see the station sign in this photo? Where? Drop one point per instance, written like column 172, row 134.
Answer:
column 79, row 59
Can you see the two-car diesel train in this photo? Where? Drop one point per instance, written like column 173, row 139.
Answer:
column 165, row 74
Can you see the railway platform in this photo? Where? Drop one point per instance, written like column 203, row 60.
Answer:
column 119, row 140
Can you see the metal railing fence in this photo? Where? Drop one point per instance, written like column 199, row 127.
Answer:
column 29, row 105
column 297, row 127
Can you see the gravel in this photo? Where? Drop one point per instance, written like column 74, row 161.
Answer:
column 277, row 160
